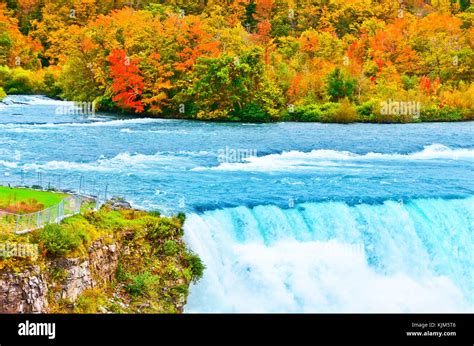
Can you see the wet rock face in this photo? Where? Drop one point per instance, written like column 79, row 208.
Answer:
column 119, row 204
column 27, row 292
column 24, row 292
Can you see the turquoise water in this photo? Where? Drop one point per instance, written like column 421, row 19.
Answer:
column 287, row 217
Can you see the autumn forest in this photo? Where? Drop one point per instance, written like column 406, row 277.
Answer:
column 248, row 60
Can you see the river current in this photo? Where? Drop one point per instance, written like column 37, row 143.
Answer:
column 287, row 217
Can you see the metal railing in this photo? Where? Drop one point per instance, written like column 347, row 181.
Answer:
column 25, row 223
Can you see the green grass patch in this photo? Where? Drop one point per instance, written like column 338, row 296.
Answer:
column 26, row 200
column 142, row 284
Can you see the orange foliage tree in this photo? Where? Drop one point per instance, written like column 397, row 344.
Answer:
column 127, row 82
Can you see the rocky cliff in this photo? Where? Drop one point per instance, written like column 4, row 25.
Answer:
column 25, row 292
column 123, row 261
column 29, row 291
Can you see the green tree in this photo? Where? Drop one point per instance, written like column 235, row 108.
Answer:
column 5, row 46
column 227, row 85
column 338, row 86
column 77, row 81
column 249, row 21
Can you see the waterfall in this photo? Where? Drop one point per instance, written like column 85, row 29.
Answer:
column 415, row 256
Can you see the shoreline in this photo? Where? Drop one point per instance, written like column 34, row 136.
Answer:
column 289, row 118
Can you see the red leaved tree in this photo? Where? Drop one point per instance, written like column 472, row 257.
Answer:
column 127, row 82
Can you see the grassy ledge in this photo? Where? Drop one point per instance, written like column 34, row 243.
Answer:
column 129, row 261
column 19, row 200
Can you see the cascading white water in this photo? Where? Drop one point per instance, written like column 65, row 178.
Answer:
column 331, row 257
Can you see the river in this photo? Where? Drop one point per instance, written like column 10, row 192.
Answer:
column 287, row 217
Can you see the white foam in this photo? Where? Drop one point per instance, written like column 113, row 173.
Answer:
column 13, row 127
column 118, row 163
column 118, row 123
column 33, row 100
column 316, row 277
column 296, row 160
column 165, row 132
column 195, row 153
column 22, row 129
column 270, row 260
column 8, row 164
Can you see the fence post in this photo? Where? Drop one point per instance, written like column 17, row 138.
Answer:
column 61, row 210
column 57, row 213
column 17, row 225
column 27, row 222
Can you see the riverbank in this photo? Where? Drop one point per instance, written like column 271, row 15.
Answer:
column 344, row 112
column 330, row 112
column 249, row 61
column 114, row 260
